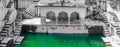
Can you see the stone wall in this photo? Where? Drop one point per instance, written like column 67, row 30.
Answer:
column 55, row 29
column 82, row 11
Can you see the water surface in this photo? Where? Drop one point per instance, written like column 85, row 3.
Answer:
column 61, row 40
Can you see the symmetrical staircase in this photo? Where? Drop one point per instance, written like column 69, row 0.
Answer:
column 6, row 27
column 27, row 14
column 114, row 23
column 18, row 26
column 17, row 31
column 117, row 30
column 114, row 20
column 8, row 16
column 107, row 27
column 106, row 31
column 5, row 30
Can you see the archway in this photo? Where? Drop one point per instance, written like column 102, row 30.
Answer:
column 51, row 15
column 75, row 18
column 63, row 18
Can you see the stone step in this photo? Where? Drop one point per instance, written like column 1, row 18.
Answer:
column 19, row 40
column 18, row 26
column 4, row 31
column 106, row 30
column 1, row 38
column 7, row 26
column 17, row 34
column 17, row 22
column 107, row 35
column 17, row 31
column 5, row 40
column 118, row 29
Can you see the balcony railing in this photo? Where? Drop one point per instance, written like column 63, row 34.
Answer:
column 29, row 12
column 27, row 15
column 9, row 5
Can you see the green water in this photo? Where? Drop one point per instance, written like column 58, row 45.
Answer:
column 61, row 40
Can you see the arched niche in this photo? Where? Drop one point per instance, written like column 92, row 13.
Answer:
column 62, row 18
column 75, row 18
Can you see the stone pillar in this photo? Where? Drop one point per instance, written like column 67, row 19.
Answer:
column 43, row 20
column 9, row 30
column 80, row 19
column 57, row 18
column 68, row 18
column 14, row 26
column 38, row 11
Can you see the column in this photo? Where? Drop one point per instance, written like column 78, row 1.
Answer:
column 43, row 20
column 68, row 18
column 38, row 11
column 80, row 19
column 57, row 20
column 9, row 30
column 14, row 26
